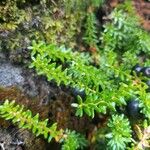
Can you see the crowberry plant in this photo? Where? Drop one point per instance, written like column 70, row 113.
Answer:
column 120, row 80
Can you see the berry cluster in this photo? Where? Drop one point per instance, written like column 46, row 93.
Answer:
column 145, row 71
column 133, row 108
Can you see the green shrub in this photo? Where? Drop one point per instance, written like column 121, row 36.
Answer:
column 120, row 132
column 123, row 33
column 26, row 120
column 109, row 84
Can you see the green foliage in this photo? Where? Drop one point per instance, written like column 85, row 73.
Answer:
column 72, row 6
column 120, row 134
column 79, row 74
column 81, row 5
column 119, row 34
column 51, row 61
column 26, row 120
column 10, row 14
column 97, row 3
column 42, row 56
column 74, row 141
column 123, row 33
column 90, row 36
column 84, row 10
column 144, row 100
column 113, row 76
column 107, row 86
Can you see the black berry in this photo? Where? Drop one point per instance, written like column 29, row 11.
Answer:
column 146, row 71
column 137, row 69
column 76, row 92
column 133, row 109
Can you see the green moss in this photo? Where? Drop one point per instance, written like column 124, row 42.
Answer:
column 22, row 21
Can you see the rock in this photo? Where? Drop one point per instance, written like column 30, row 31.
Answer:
column 2, row 57
column 17, row 139
column 10, row 75
column 6, row 141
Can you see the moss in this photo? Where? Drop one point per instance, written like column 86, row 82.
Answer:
column 22, row 21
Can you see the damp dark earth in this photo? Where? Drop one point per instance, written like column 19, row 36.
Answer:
column 74, row 75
